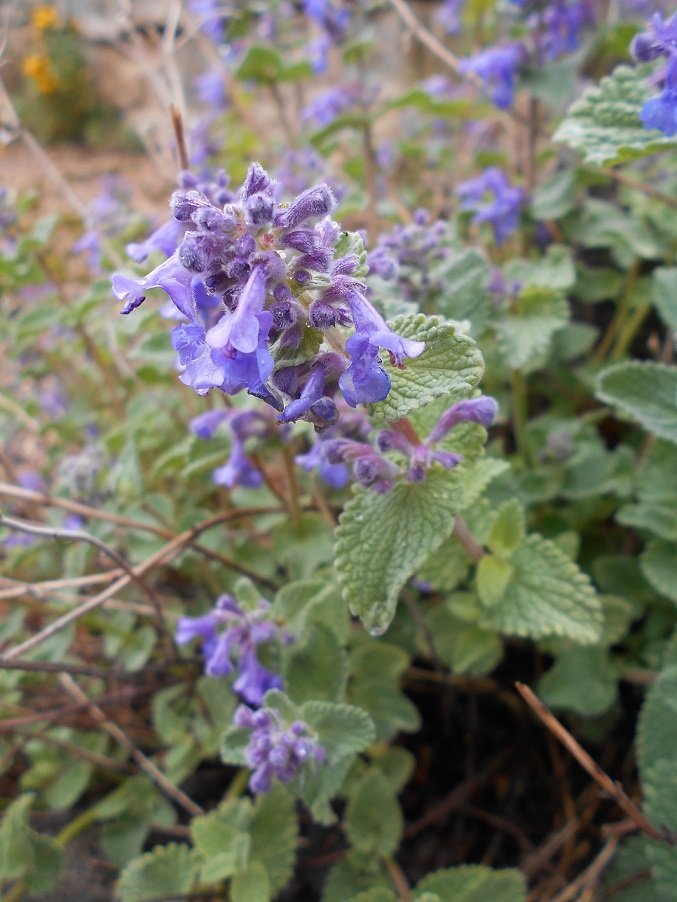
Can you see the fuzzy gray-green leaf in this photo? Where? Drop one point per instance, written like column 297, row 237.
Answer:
column 644, row 391
column 381, row 541
column 604, row 125
column 547, row 595
column 451, row 364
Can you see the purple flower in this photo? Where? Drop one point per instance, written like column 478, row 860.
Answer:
column 169, row 275
column 562, row 21
column 660, row 39
column 449, row 15
column 277, row 750
column 493, row 199
column 329, row 105
column 212, row 20
column 210, row 88
column 230, row 635
column 205, row 425
column 497, row 68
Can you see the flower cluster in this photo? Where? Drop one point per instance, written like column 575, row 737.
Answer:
column 371, row 469
column 494, row 200
column 497, row 68
column 244, row 425
column 351, row 424
column 410, row 255
column 660, row 40
column 108, row 215
column 276, row 750
column 262, row 287
column 230, row 633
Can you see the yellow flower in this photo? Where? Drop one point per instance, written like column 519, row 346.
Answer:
column 44, row 18
column 39, row 69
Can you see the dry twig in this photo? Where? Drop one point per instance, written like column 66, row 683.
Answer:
column 612, row 788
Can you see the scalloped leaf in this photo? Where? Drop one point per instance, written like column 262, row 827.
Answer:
column 274, row 832
column 165, row 871
column 657, row 725
column 342, row 729
column 583, row 680
column 656, row 507
column 660, row 804
column 664, row 294
column 251, row 885
column 646, row 392
column 604, row 125
column 546, row 595
column 316, row 667
column 474, row 883
column 374, row 821
column 356, row 873
column 223, row 849
column 376, row 669
column 659, row 565
column 525, row 333
column 381, row 541
column 451, row 365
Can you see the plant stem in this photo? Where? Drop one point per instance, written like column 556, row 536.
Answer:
column 237, row 785
column 294, row 503
column 467, row 539
column 631, row 326
column 398, row 878
column 520, row 408
column 620, row 316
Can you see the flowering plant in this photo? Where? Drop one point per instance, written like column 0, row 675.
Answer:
column 385, row 432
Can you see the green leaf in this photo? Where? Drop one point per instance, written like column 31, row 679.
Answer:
column 464, row 646
column 547, row 595
column 381, row 541
column 657, row 726
column 342, row 729
column 659, row 565
column 582, row 680
column 223, row 849
column 312, row 601
column 656, row 509
column 251, row 885
column 604, row 125
column 48, row 863
column 165, row 871
column 451, row 365
column 525, row 333
column 474, row 883
column 373, row 820
column 315, row 667
column 274, row 832
column 16, row 849
column 660, row 805
column 493, row 576
column 376, row 669
column 358, row 872
column 508, row 529
column 466, row 273
column 397, row 765
column 555, row 196
column 644, row 391
column 664, row 294
column 631, row 870
column 555, row 270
